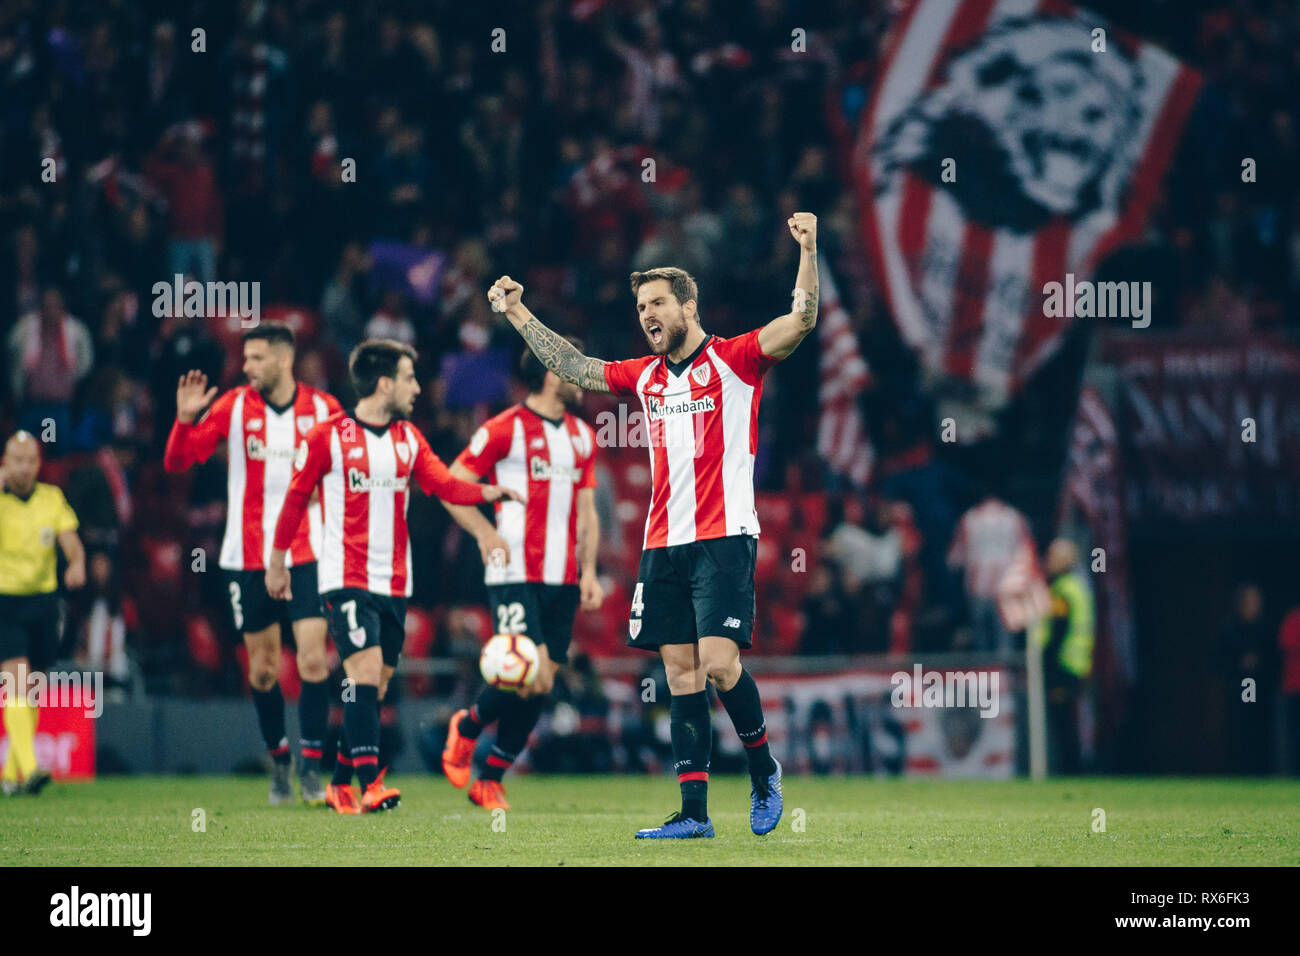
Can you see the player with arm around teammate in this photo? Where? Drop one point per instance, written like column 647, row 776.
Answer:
column 362, row 462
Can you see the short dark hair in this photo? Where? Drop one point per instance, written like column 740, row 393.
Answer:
column 683, row 283
column 275, row 333
column 532, row 372
column 374, row 359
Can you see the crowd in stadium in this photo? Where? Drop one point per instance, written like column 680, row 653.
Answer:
column 226, row 163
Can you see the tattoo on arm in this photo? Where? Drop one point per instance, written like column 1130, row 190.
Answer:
column 808, row 310
column 559, row 355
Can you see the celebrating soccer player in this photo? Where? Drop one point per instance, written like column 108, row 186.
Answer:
column 363, row 461
column 34, row 519
column 694, row 596
column 263, row 424
column 539, row 558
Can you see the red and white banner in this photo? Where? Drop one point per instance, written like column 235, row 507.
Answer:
column 850, row 723
column 1002, row 149
column 841, row 434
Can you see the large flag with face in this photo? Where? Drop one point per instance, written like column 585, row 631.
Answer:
column 1006, row 144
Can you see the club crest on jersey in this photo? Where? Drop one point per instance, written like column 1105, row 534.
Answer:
column 403, row 451
column 701, row 375
column 305, row 422
column 634, row 629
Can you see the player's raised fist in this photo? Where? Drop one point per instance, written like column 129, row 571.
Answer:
column 803, row 226
column 193, row 395
column 505, row 294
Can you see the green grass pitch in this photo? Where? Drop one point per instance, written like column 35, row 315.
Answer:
column 579, row 821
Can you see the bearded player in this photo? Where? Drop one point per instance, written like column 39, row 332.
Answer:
column 694, row 596
column 539, row 558
column 363, row 462
column 263, row 424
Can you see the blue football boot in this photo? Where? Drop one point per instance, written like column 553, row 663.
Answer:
column 765, row 808
column 678, row 827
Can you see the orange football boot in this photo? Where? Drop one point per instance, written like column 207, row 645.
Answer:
column 489, row 794
column 342, row 797
column 459, row 752
column 380, row 797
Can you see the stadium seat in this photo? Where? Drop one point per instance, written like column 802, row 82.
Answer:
column 204, row 647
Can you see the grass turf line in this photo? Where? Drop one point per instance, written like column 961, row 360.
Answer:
column 580, row 821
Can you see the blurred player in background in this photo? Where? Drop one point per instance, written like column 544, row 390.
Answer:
column 263, row 424
column 34, row 519
column 694, row 597
column 363, row 461
column 539, row 558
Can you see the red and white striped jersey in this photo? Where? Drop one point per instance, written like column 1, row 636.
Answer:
column 702, row 425
column 548, row 462
column 364, row 473
column 990, row 537
column 261, row 441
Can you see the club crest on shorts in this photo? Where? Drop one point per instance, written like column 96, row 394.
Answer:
column 634, row 628
column 701, row 375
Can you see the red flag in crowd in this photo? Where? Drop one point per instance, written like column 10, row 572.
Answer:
column 841, row 438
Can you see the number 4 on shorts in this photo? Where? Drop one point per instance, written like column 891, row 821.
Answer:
column 637, row 604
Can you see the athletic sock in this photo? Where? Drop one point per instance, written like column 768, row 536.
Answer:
column 692, row 736
column 746, row 712
column 517, row 723
column 489, row 707
column 20, row 727
column 343, row 762
column 269, row 705
column 313, row 721
column 361, row 719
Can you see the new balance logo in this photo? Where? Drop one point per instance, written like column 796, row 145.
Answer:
column 656, row 387
column 356, row 453
column 731, row 622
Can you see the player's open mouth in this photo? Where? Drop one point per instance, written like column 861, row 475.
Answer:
column 655, row 332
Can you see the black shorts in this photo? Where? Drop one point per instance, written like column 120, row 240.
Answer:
column 253, row 609
column 359, row 619
column 30, row 625
column 542, row 611
column 688, row 591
